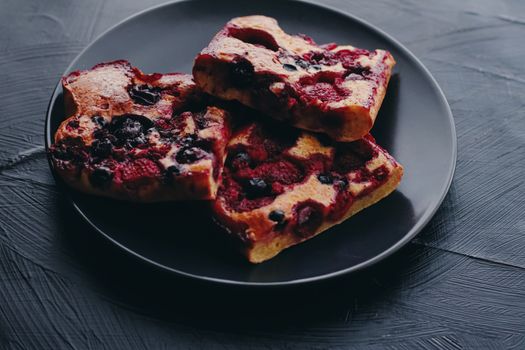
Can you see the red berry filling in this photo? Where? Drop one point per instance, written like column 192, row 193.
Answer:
column 352, row 156
column 348, row 58
column 237, row 196
column 254, row 36
column 138, row 172
column 69, row 154
column 279, row 171
column 308, row 216
column 148, row 78
column 321, row 86
column 122, row 152
column 257, row 173
column 324, row 86
column 254, row 175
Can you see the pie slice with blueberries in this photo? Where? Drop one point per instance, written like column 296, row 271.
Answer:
column 333, row 89
column 282, row 186
column 139, row 137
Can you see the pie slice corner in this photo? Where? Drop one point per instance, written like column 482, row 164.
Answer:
column 333, row 89
column 139, row 137
column 280, row 188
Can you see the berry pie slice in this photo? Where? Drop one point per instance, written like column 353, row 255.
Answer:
column 139, row 137
column 336, row 90
column 283, row 186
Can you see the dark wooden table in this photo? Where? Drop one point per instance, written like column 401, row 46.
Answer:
column 459, row 284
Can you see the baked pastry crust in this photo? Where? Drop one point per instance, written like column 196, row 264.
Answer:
column 139, row 137
column 336, row 90
column 282, row 187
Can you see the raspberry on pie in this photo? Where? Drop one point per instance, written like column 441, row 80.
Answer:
column 282, row 186
column 333, row 89
column 140, row 137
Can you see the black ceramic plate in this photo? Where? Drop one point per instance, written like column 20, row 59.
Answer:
column 415, row 124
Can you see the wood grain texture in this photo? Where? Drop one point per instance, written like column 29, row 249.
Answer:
column 459, row 285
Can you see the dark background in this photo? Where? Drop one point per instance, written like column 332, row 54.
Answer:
column 459, row 284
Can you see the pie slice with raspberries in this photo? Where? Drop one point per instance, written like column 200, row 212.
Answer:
column 139, row 137
column 282, row 186
column 336, row 90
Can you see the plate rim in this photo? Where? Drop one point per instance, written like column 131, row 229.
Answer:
column 418, row 227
